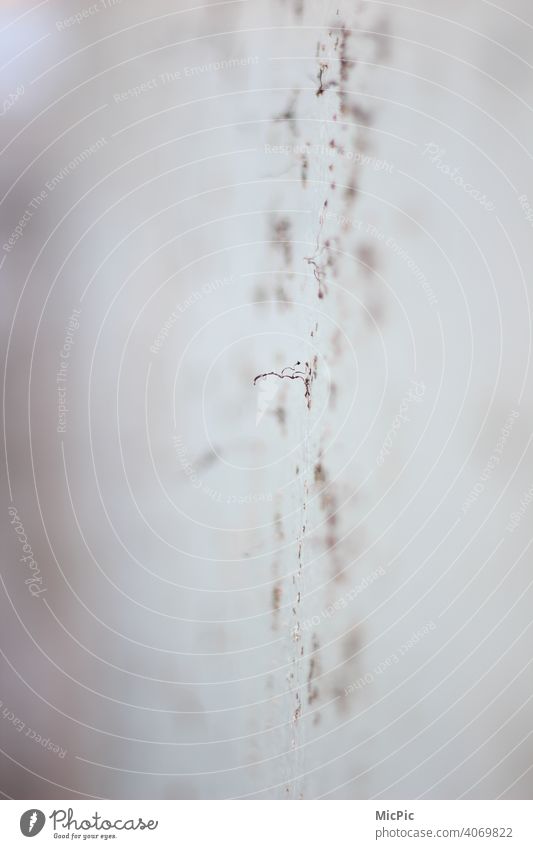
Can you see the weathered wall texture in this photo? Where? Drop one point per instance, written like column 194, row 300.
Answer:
column 307, row 585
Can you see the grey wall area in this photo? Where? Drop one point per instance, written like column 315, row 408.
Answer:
column 266, row 280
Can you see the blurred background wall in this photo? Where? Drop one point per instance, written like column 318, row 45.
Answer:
column 317, row 584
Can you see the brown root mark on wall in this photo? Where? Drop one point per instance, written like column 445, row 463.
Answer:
column 351, row 668
column 319, row 473
column 334, row 175
column 328, row 502
column 278, row 525
column 314, row 672
column 322, row 84
column 289, row 114
column 374, row 313
column 277, row 587
column 341, row 700
column 381, row 38
column 277, row 593
column 283, row 300
column 304, row 169
column 260, row 295
column 316, row 260
column 351, row 645
column 281, row 417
